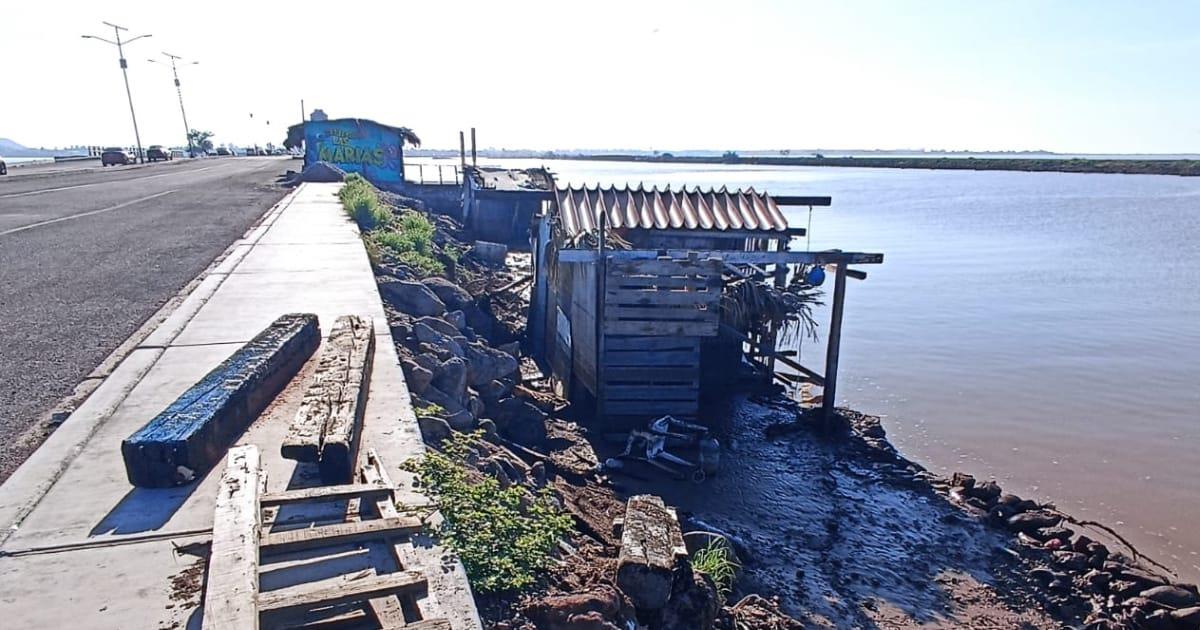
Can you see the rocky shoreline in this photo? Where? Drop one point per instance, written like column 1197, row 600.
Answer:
column 837, row 531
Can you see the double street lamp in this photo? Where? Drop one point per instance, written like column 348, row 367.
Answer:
column 186, row 129
column 125, row 72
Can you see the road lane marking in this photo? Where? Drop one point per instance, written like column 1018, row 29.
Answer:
column 85, row 214
column 114, row 181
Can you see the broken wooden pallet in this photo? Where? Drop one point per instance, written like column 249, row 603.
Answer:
column 271, row 558
column 328, row 424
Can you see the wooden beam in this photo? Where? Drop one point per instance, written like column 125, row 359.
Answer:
column 232, row 580
column 341, row 592
column 328, row 493
column 328, row 423
column 716, row 233
column 338, row 534
column 793, row 200
column 730, row 256
column 833, row 348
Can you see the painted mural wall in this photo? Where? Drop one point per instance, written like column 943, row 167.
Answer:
column 356, row 146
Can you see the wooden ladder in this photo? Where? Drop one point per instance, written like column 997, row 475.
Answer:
column 314, row 558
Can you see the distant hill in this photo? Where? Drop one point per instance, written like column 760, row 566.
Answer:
column 12, row 148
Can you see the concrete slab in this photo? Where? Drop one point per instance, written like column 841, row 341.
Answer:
column 73, row 519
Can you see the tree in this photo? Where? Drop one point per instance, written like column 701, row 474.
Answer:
column 201, row 140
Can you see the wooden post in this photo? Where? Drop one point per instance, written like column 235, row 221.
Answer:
column 232, row 585
column 601, row 297
column 462, row 149
column 473, row 162
column 835, row 342
column 440, row 180
column 780, row 283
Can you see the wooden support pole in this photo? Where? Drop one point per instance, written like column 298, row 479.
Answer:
column 473, row 162
column 832, row 349
column 462, row 149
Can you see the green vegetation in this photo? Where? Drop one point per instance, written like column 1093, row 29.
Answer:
column 431, row 409
column 362, row 203
column 503, row 538
column 717, row 561
column 410, row 238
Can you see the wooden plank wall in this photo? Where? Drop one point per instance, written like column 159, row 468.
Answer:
column 583, row 323
column 655, row 313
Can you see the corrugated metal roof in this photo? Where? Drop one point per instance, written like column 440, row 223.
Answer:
column 653, row 209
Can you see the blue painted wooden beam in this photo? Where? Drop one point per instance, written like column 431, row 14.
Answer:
column 192, row 434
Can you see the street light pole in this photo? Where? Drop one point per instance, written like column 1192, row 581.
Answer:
column 125, row 72
column 179, row 90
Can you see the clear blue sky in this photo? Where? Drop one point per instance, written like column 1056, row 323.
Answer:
column 1091, row 76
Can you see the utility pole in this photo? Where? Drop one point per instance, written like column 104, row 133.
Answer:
column 125, row 72
column 179, row 90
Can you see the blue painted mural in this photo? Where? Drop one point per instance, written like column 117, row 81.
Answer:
column 356, row 146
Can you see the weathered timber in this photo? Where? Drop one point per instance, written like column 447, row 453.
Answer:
column 328, row 493
column 191, row 435
column 328, row 424
column 653, row 343
column 651, row 544
column 702, row 328
column 338, row 534
column 641, row 297
column 343, row 591
column 232, row 583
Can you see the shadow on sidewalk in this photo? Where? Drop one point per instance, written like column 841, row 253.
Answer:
column 144, row 509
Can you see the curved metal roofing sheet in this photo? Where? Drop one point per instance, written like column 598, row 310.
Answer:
column 654, row 209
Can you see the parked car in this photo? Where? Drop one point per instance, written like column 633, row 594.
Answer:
column 116, row 156
column 3, row 168
column 156, row 152
column 223, row 151
column 178, row 153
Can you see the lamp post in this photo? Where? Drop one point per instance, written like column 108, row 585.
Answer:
column 179, row 90
column 125, row 72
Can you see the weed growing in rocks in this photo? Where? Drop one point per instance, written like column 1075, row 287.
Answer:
column 432, row 409
column 503, row 536
column 362, row 203
column 410, row 238
column 717, row 562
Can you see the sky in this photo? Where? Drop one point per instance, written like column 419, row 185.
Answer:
column 1067, row 76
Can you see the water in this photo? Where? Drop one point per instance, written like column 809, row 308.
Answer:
column 1041, row 328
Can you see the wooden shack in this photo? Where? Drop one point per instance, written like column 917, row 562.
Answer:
column 498, row 204
column 642, row 295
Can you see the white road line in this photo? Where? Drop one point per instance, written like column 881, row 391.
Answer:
column 85, row 214
column 114, row 181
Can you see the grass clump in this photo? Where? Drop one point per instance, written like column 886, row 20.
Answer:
column 503, row 538
column 361, row 202
column 431, row 409
column 717, row 561
column 410, row 238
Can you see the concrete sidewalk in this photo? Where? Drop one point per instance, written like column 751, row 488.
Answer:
column 81, row 547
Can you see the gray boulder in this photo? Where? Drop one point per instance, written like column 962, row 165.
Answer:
column 433, row 429
column 462, row 421
column 417, row 377
column 412, row 297
column 449, row 293
column 488, row 364
column 443, row 400
column 452, row 379
column 458, row 319
column 519, row 420
column 440, row 325
column 442, row 343
column 1172, row 596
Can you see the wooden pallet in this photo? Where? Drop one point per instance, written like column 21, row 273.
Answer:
column 325, row 557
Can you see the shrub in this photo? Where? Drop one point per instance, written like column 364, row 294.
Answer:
column 717, row 562
column 410, row 238
column 503, row 538
column 361, row 202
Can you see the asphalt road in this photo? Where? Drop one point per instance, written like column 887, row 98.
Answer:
column 87, row 255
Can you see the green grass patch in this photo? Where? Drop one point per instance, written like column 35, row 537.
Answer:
column 361, row 202
column 717, row 561
column 432, row 409
column 410, row 238
column 504, row 539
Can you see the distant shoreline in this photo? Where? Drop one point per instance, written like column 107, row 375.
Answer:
column 1183, row 168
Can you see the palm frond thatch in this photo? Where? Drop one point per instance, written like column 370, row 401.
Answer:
column 751, row 305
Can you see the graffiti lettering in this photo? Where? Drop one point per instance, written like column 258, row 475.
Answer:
column 340, row 153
